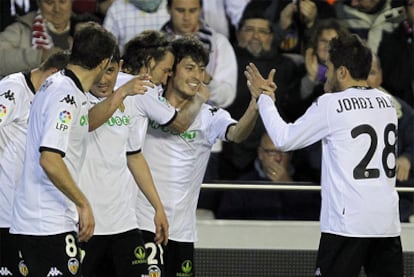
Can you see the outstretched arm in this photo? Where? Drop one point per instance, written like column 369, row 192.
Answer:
column 142, row 175
column 100, row 113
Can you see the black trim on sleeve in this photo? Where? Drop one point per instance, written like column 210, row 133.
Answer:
column 227, row 130
column 171, row 120
column 42, row 148
column 129, row 153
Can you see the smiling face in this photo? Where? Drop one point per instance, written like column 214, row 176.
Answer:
column 187, row 78
column 105, row 86
column 256, row 36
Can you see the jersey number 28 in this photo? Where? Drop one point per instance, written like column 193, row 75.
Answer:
column 361, row 171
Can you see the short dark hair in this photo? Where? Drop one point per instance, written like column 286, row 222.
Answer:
column 150, row 44
column 189, row 47
column 349, row 51
column 169, row 3
column 91, row 45
column 57, row 60
column 326, row 24
column 255, row 10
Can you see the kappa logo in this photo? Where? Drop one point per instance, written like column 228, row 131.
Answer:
column 54, row 272
column 213, row 110
column 69, row 99
column 4, row 271
column 318, row 272
column 9, row 95
column 73, row 265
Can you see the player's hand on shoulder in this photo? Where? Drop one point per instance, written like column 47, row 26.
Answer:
column 137, row 85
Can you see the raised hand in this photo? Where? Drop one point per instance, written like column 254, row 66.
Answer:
column 257, row 84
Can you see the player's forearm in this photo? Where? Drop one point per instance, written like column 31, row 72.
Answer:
column 142, row 176
column 244, row 127
column 102, row 111
column 187, row 114
column 58, row 173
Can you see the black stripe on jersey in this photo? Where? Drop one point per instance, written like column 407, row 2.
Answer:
column 74, row 78
column 27, row 75
column 133, row 152
column 228, row 127
column 43, row 148
column 171, row 120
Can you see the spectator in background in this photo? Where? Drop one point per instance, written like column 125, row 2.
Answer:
column 34, row 36
column 396, row 52
column 254, row 44
column 126, row 19
column 405, row 155
column 316, row 56
column 271, row 165
column 95, row 7
column 223, row 15
column 294, row 20
column 369, row 19
column 10, row 9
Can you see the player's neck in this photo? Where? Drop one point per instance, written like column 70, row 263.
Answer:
column 86, row 77
column 355, row 84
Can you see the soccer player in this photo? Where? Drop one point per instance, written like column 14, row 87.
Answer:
column 106, row 175
column 49, row 207
column 178, row 161
column 358, row 127
column 16, row 94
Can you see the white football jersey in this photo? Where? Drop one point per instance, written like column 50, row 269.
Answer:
column 105, row 177
column 358, row 129
column 178, row 163
column 16, row 95
column 58, row 122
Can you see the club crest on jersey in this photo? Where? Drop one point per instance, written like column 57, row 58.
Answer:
column 65, row 118
column 9, row 95
column 154, row 271
column 73, row 265
column 69, row 100
column 23, row 268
